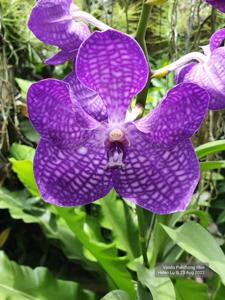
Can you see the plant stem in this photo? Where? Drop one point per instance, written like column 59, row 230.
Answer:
column 140, row 38
column 141, row 99
column 142, row 234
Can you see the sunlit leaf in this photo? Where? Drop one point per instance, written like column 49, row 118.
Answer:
column 161, row 288
column 23, row 85
column 212, row 165
column 118, row 217
column 22, row 165
column 24, row 171
column 210, row 148
column 197, row 241
column 106, row 254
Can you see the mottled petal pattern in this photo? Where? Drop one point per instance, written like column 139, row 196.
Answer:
column 219, row 4
column 89, row 100
column 52, row 23
column 158, row 180
column 211, row 76
column 112, row 64
column 181, row 73
column 177, row 117
column 217, row 38
column 53, row 114
column 73, row 176
column 61, row 57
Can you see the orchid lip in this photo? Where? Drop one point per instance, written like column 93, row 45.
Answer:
column 116, row 155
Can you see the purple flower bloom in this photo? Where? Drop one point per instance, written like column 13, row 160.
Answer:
column 79, row 159
column 219, row 4
column 208, row 72
column 57, row 22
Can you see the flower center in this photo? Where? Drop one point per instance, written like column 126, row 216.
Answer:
column 116, row 135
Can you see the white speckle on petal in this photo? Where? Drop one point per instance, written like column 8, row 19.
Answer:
column 82, row 150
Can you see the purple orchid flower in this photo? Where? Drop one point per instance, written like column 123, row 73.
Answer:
column 219, row 4
column 58, row 23
column 208, row 72
column 150, row 161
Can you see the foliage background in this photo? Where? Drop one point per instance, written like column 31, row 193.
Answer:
column 86, row 252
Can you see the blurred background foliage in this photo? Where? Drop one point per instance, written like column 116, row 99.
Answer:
column 85, row 252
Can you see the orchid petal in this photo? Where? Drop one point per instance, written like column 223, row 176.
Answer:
column 89, row 100
column 112, row 64
column 61, row 57
column 51, row 22
column 177, row 117
column 211, row 76
column 73, row 176
column 217, row 38
column 54, row 115
column 181, row 73
column 219, row 4
column 156, row 179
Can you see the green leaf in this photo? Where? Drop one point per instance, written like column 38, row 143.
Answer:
column 22, row 152
column 20, row 283
column 221, row 218
column 117, row 216
column 161, row 288
column 28, row 131
column 116, row 295
column 187, row 289
column 197, row 241
column 24, row 171
column 211, row 165
column 219, row 295
column 105, row 254
column 23, row 85
column 22, row 165
column 26, row 209
column 210, row 148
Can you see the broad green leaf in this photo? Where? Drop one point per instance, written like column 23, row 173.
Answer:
column 211, row 165
column 210, row 148
column 117, row 216
column 187, row 289
column 22, row 165
column 116, row 295
column 20, row 283
column 219, row 295
column 161, row 288
column 106, row 254
column 197, row 241
column 28, row 131
column 22, row 152
column 23, row 85
column 24, row 171
column 202, row 215
column 30, row 211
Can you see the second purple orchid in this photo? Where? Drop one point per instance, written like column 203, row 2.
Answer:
column 80, row 157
